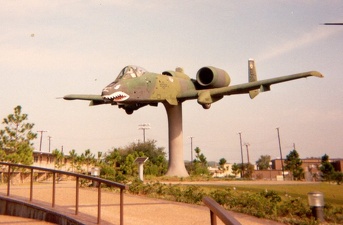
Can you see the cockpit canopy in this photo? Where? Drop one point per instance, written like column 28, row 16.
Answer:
column 130, row 72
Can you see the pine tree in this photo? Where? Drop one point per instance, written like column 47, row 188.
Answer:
column 326, row 168
column 16, row 137
column 293, row 164
column 199, row 163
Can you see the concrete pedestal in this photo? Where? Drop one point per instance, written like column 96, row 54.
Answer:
column 176, row 165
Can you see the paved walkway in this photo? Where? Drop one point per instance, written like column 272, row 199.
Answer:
column 137, row 209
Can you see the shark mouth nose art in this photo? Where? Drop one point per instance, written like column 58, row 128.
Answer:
column 117, row 96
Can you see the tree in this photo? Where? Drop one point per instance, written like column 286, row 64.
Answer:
column 338, row 177
column 326, row 168
column 263, row 162
column 120, row 161
column 112, row 158
column 199, row 166
column 73, row 159
column 157, row 164
column 88, row 159
column 15, row 139
column 222, row 163
column 293, row 163
column 98, row 161
column 245, row 169
column 129, row 167
column 236, row 169
column 248, row 170
column 59, row 158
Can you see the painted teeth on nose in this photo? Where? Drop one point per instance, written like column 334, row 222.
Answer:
column 117, row 96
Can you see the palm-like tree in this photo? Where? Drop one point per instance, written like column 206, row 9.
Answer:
column 58, row 156
column 73, row 158
column 89, row 159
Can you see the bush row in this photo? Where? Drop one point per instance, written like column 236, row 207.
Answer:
column 265, row 204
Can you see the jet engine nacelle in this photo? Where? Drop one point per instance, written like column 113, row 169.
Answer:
column 212, row 77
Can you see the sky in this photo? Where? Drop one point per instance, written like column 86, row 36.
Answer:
column 49, row 49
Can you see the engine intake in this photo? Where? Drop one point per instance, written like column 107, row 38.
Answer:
column 213, row 77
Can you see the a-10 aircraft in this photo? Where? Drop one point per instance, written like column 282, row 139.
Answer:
column 135, row 87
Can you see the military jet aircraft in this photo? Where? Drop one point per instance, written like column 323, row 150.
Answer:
column 135, row 87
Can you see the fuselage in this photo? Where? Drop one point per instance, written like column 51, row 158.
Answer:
column 146, row 87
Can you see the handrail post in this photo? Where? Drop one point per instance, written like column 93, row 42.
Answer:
column 217, row 210
column 31, row 185
column 77, row 196
column 99, row 202
column 55, row 174
column 213, row 218
column 53, row 189
column 121, row 206
column 8, row 180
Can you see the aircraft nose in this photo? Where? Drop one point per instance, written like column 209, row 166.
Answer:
column 105, row 91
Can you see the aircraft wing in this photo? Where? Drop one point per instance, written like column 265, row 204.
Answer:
column 208, row 96
column 94, row 99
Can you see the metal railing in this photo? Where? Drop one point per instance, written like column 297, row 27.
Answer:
column 77, row 176
column 217, row 210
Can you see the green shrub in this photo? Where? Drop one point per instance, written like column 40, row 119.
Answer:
column 108, row 172
column 294, row 207
column 253, row 204
column 263, row 204
column 175, row 192
column 136, row 187
column 272, row 196
column 193, row 194
column 333, row 214
column 221, row 196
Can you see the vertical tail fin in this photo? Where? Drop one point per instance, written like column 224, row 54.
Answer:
column 252, row 77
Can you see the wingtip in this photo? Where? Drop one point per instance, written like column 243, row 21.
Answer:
column 317, row 74
column 68, row 97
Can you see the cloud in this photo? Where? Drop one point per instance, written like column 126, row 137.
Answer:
column 317, row 34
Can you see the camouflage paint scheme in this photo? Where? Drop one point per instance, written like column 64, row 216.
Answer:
column 135, row 88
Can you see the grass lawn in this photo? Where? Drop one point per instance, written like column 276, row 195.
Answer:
column 333, row 193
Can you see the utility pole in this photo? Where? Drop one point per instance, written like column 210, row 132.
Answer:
column 41, row 138
column 144, row 126
column 283, row 170
column 49, row 138
column 247, row 147
column 240, row 138
column 191, row 148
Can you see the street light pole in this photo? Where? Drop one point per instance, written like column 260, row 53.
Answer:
column 144, row 126
column 191, row 148
column 283, row 170
column 247, row 147
column 240, row 138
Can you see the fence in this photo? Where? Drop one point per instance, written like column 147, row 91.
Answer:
column 97, row 180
